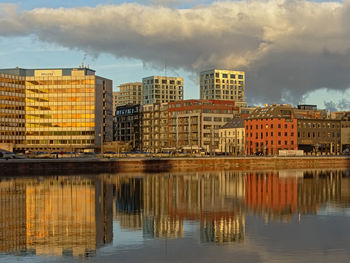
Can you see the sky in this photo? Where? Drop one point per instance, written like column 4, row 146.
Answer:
column 293, row 51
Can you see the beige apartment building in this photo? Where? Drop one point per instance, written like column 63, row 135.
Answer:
column 155, row 127
column 217, row 84
column 232, row 137
column 157, row 89
column 129, row 93
column 194, row 124
column 65, row 109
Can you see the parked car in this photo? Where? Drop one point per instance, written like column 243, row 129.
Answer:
column 7, row 155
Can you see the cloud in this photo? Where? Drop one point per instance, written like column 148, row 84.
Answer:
column 287, row 47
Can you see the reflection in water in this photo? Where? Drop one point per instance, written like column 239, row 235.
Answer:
column 74, row 215
column 55, row 216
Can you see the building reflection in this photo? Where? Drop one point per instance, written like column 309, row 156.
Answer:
column 73, row 215
column 318, row 188
column 128, row 203
column 55, row 216
column 271, row 196
column 160, row 204
column 214, row 199
column 12, row 217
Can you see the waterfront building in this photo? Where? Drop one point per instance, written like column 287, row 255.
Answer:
column 155, row 127
column 318, row 136
column 129, row 93
column 344, row 117
column 281, row 127
column 194, row 124
column 115, row 101
column 12, row 110
column 158, row 89
column 65, row 109
column 271, row 129
column 231, row 137
column 127, row 125
column 217, row 84
column 345, row 133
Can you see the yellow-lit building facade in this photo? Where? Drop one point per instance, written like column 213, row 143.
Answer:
column 65, row 109
column 217, row 84
column 12, row 109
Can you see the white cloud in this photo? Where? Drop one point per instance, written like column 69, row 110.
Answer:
column 287, row 47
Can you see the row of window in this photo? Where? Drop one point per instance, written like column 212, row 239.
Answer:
column 60, row 82
column 59, row 91
column 266, row 126
column 267, row 134
column 60, row 125
column 59, row 133
column 60, row 99
column 223, row 75
column 53, row 142
column 61, row 108
column 272, row 143
column 163, row 81
column 60, row 116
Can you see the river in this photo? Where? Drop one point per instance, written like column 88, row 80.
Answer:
column 221, row 216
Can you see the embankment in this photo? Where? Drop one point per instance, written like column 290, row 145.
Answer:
column 152, row 165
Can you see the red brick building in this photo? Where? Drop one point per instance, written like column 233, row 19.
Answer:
column 271, row 129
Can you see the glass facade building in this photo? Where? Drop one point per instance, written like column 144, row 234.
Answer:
column 12, row 109
column 62, row 108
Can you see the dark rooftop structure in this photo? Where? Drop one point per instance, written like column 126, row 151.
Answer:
column 237, row 122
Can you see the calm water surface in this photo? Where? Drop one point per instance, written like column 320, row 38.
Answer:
column 228, row 216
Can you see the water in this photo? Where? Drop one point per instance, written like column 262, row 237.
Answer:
column 277, row 216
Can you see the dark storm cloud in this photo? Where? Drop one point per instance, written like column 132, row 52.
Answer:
column 288, row 48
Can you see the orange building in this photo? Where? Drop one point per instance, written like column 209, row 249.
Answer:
column 271, row 129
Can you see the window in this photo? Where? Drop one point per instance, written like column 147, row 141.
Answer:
column 279, row 142
column 279, row 133
column 224, row 76
column 285, row 126
column 232, row 76
column 271, row 126
column 285, row 142
column 286, row 134
column 279, row 125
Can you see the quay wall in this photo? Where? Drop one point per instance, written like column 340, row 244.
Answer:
column 152, row 165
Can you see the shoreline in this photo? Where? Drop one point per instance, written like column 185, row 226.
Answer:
column 22, row 167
